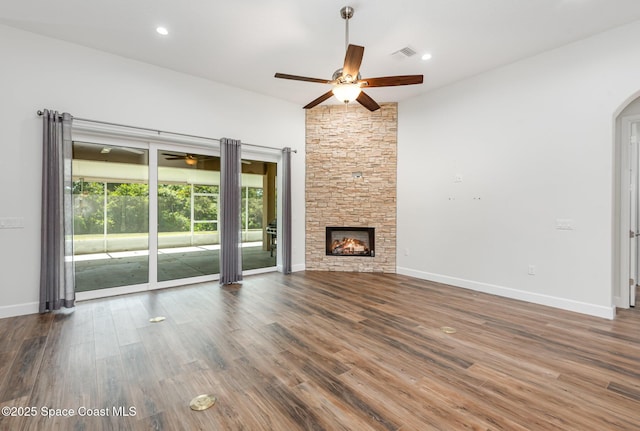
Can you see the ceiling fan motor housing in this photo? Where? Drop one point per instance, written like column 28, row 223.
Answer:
column 338, row 77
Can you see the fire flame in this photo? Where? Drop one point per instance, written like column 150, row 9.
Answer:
column 349, row 246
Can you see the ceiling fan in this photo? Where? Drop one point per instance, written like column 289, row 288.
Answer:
column 189, row 159
column 193, row 159
column 347, row 82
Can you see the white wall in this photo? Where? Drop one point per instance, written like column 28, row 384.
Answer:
column 39, row 73
column 533, row 142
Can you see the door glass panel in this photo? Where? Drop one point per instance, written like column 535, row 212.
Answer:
column 188, row 239
column 258, row 214
column 110, row 216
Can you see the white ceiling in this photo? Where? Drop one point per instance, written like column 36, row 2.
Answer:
column 244, row 42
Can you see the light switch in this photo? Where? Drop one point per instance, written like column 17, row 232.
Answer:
column 11, row 222
column 564, row 224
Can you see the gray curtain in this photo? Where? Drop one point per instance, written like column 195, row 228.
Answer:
column 57, row 287
column 286, row 211
column 230, row 206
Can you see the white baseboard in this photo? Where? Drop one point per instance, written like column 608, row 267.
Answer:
column 536, row 298
column 261, row 270
column 298, row 268
column 294, row 268
column 19, row 309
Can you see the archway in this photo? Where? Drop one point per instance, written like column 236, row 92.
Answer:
column 626, row 197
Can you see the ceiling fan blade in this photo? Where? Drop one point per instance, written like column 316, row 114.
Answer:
column 390, row 81
column 319, row 100
column 302, row 78
column 367, row 102
column 175, row 158
column 352, row 61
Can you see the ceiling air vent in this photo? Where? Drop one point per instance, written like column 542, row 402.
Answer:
column 405, row 52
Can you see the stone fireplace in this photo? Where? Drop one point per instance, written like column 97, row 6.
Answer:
column 351, row 182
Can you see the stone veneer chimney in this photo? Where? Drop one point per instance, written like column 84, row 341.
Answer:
column 351, row 181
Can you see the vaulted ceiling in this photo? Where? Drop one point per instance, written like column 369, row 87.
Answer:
column 243, row 43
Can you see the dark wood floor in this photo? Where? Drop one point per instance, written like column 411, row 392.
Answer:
column 322, row 351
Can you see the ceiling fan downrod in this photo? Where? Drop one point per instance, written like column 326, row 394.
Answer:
column 346, row 13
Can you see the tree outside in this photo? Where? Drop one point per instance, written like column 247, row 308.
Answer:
column 128, row 207
column 252, row 197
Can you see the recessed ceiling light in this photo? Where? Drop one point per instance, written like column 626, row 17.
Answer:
column 162, row 30
column 426, row 56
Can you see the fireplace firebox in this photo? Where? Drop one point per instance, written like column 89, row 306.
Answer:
column 350, row 241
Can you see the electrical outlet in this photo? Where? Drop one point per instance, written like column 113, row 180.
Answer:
column 532, row 270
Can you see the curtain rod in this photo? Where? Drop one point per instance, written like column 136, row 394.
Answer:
column 41, row 113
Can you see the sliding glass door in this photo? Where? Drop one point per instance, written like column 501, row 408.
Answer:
column 259, row 209
column 110, row 216
column 146, row 215
column 188, row 239
column 188, row 209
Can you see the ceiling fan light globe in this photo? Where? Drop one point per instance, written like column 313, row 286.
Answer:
column 346, row 92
